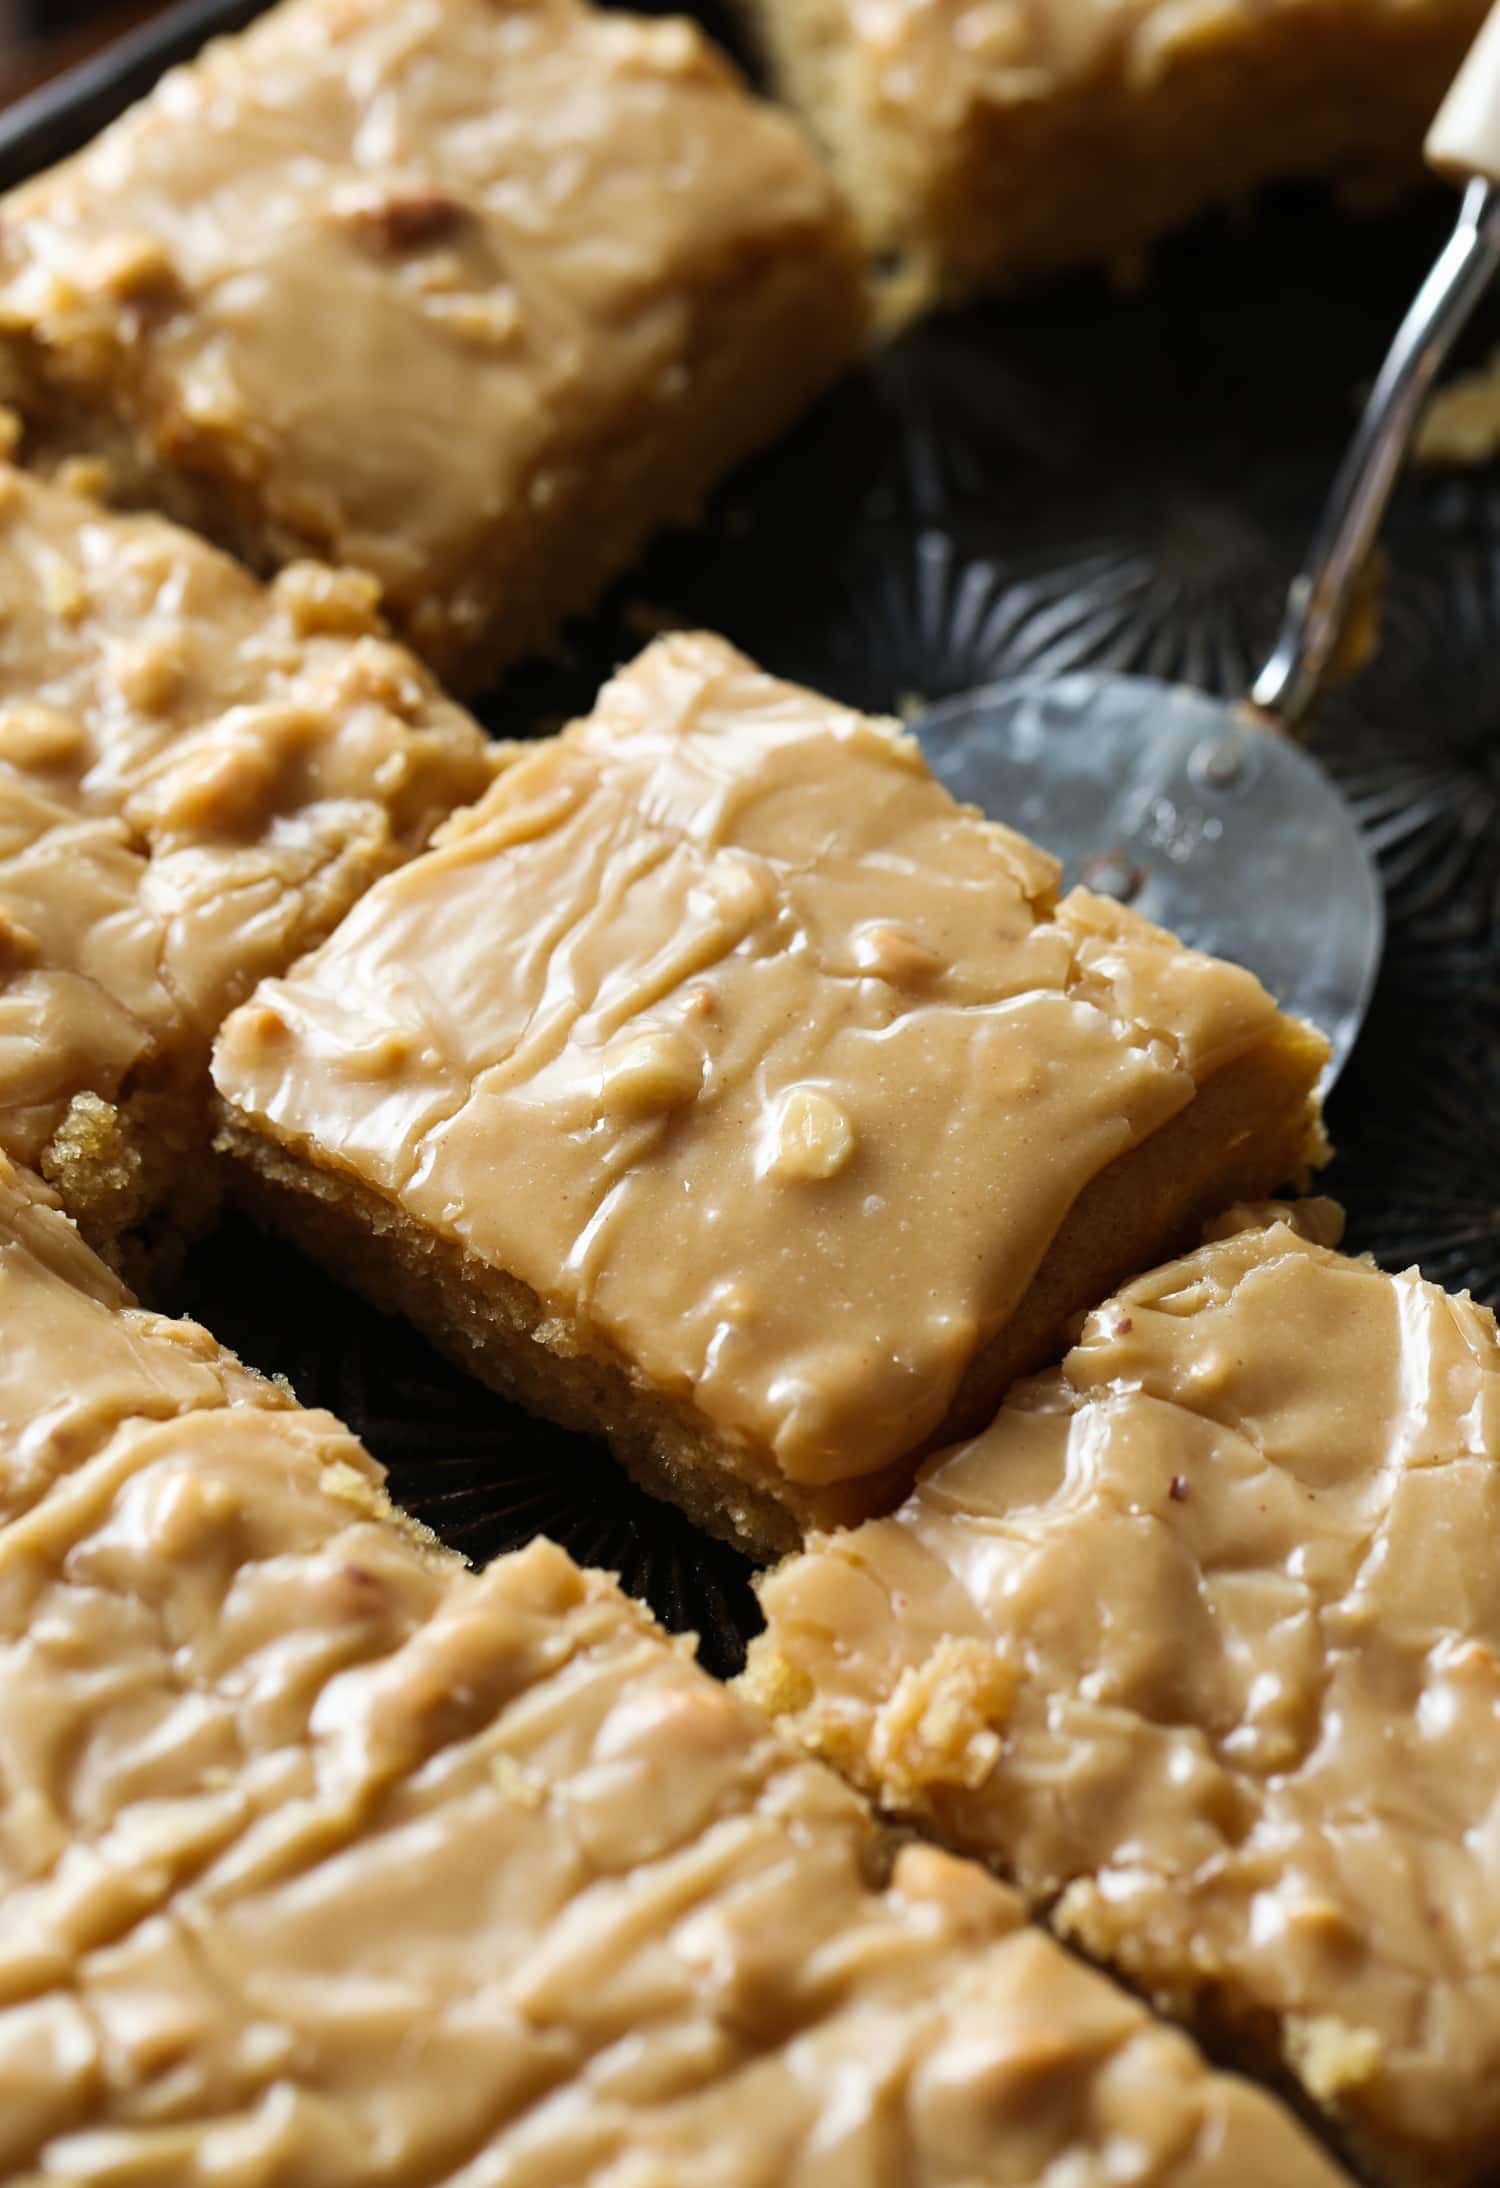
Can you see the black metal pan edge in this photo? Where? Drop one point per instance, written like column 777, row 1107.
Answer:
column 61, row 115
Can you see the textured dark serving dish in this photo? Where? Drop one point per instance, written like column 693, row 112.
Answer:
column 1072, row 477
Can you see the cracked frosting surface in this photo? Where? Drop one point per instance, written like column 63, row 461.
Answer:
column 1201, row 1641
column 430, row 289
column 324, row 1859
column 197, row 775
column 721, row 1026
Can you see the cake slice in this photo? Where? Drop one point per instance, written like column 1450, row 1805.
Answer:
column 720, row 1085
column 474, row 294
column 198, row 776
column 982, row 141
column 1200, row 1643
column 78, row 1355
column 324, row 1860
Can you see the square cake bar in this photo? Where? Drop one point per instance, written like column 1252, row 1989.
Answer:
column 473, row 294
column 324, row 1860
column 1200, row 1643
column 982, row 141
column 198, row 775
column 720, row 1085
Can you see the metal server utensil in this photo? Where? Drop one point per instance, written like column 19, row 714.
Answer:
column 1204, row 813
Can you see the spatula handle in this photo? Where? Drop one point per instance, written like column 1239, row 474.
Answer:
column 1464, row 141
column 1323, row 592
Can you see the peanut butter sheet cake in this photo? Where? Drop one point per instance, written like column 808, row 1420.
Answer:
column 475, row 294
column 720, row 1084
column 1200, row 1643
column 985, row 140
column 325, row 1860
column 198, row 775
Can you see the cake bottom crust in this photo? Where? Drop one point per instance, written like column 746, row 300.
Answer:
column 1249, row 1131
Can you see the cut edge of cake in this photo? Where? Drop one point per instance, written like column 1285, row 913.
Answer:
column 131, row 1154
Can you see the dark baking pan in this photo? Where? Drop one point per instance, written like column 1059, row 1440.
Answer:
column 1077, row 476
column 65, row 113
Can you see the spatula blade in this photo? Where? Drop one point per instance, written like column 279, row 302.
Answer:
column 1220, row 829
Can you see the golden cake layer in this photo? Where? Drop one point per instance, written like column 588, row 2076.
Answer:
column 719, row 1084
column 198, row 776
column 324, row 1860
column 1200, row 1643
column 474, row 294
column 982, row 141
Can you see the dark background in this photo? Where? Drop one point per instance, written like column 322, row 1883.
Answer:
column 38, row 37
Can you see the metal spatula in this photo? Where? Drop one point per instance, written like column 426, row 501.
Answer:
column 1204, row 813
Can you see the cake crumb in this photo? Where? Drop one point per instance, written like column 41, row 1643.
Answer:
column 942, row 1724
column 1329, row 2055
column 89, row 476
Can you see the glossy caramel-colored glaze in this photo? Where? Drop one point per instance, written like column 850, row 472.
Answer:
column 323, row 1859
column 197, row 776
column 1201, row 1643
column 474, row 294
column 725, row 1030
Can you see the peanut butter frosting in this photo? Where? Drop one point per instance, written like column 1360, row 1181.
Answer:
column 983, row 140
column 325, row 1860
column 78, row 1355
column 437, row 290
column 1201, row 1643
column 937, row 58
column 197, row 776
column 721, row 1026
